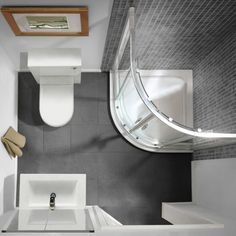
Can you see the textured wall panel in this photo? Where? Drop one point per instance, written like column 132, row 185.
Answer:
column 215, row 88
column 172, row 34
column 228, row 151
column 215, row 95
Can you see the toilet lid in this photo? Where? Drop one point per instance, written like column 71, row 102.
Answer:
column 56, row 104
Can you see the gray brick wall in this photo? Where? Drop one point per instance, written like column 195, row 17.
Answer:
column 215, row 95
column 228, row 151
column 187, row 34
column 170, row 34
column 214, row 88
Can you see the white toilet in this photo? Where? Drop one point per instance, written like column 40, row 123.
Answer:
column 56, row 70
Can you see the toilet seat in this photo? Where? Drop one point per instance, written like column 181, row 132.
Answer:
column 56, row 103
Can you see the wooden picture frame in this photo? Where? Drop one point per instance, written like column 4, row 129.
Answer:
column 80, row 13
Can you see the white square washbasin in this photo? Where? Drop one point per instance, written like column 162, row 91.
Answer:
column 69, row 213
column 35, row 190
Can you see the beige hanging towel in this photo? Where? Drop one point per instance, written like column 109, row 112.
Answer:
column 13, row 141
column 15, row 137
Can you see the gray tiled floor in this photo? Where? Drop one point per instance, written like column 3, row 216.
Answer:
column 128, row 183
column 83, row 115
column 56, row 140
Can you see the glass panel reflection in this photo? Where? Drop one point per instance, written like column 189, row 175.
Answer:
column 44, row 220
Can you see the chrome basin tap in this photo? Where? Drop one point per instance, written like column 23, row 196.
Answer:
column 52, row 201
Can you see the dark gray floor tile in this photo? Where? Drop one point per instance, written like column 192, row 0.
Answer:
column 135, row 215
column 84, row 138
column 139, row 192
column 26, row 81
column 111, row 141
column 102, row 89
column 34, row 137
column 103, row 113
column 54, row 164
column 56, row 140
column 119, row 192
column 26, row 99
column 87, row 88
column 117, row 166
column 29, row 162
column 28, row 107
column 151, row 179
column 83, row 163
column 85, row 112
column 92, row 191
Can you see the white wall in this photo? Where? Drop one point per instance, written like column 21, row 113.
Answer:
column 8, row 117
column 92, row 46
column 214, row 188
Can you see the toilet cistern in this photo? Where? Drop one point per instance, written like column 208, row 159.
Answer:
column 56, row 71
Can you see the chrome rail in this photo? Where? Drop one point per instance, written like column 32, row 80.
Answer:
column 142, row 122
column 123, row 84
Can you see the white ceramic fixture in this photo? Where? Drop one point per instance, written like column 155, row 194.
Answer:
column 35, row 213
column 56, row 71
column 35, row 190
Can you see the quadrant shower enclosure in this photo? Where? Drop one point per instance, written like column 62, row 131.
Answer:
column 153, row 109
